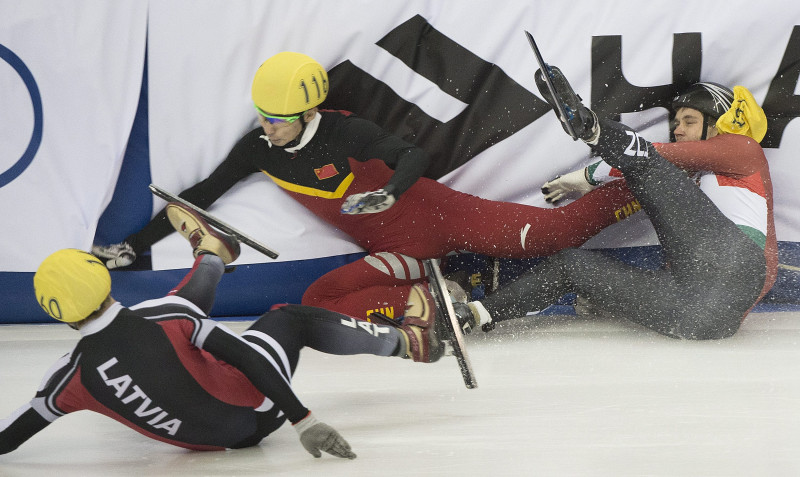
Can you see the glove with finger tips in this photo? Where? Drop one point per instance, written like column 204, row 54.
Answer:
column 317, row 436
column 116, row 255
column 558, row 188
column 368, row 202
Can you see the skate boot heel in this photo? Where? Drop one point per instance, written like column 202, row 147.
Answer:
column 202, row 237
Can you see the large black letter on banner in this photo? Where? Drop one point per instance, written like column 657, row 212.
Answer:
column 612, row 94
column 497, row 106
column 781, row 105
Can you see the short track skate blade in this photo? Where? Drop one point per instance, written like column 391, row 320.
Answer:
column 215, row 222
column 546, row 74
column 444, row 306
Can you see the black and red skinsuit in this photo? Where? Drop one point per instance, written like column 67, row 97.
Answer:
column 165, row 370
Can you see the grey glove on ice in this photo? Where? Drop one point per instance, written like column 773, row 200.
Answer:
column 317, row 436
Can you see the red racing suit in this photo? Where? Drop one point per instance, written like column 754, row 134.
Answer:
column 340, row 155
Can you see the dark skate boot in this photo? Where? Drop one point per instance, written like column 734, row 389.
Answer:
column 472, row 315
column 582, row 120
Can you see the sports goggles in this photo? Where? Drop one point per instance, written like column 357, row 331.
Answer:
column 272, row 119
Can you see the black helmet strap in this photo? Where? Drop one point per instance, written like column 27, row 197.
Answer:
column 708, row 121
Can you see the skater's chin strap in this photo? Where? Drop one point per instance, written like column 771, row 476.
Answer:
column 308, row 132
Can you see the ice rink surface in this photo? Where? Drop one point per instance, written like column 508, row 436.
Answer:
column 556, row 396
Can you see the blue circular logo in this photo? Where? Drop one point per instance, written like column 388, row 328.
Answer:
column 38, row 118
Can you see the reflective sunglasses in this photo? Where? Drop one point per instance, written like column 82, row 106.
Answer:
column 272, row 119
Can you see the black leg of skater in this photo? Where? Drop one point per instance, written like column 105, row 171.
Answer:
column 705, row 251
column 696, row 237
column 200, row 285
column 285, row 331
column 614, row 286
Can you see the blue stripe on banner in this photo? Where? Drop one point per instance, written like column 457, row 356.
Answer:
column 787, row 285
column 252, row 289
column 131, row 205
column 247, row 292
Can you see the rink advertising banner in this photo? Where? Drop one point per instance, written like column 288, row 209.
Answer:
column 69, row 84
column 456, row 77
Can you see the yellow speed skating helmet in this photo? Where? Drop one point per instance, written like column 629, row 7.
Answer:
column 71, row 284
column 289, row 84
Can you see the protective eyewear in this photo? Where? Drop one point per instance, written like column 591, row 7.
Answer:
column 272, row 119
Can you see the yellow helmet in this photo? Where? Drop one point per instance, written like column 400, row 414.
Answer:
column 71, row 284
column 289, row 84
